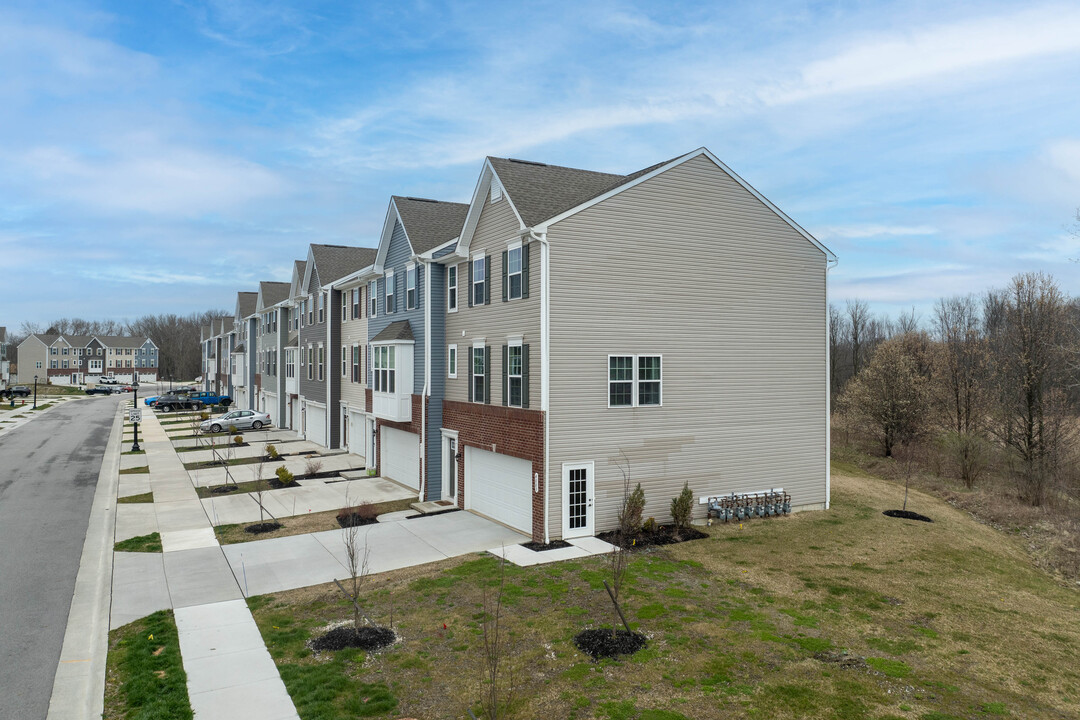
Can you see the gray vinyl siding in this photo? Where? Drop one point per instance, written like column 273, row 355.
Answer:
column 332, row 370
column 496, row 228
column 690, row 266
column 433, row 466
column 313, row 333
column 397, row 254
column 27, row 355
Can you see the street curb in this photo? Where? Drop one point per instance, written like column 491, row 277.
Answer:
column 30, row 418
column 79, row 684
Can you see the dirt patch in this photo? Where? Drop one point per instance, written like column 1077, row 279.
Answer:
column 603, row 643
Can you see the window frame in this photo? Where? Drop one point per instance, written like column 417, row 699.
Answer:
column 510, row 376
column 412, row 276
column 451, row 360
column 373, row 298
column 322, row 362
column 635, row 380
column 356, row 362
column 479, row 397
column 344, row 361
column 384, row 369
column 520, row 274
column 452, row 288
column 482, row 259
column 389, row 288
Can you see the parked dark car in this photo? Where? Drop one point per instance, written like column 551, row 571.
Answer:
column 100, row 390
column 168, row 403
column 18, row 391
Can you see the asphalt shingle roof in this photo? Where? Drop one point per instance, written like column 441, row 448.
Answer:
column 120, row 341
column 430, row 223
column 540, row 192
column 334, row 262
column 273, row 292
column 399, row 330
column 246, row 303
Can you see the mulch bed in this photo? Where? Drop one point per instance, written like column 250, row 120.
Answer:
column 433, row 514
column 264, row 527
column 541, row 547
column 663, row 535
column 276, row 484
column 366, row 638
column 601, row 643
column 222, row 489
column 355, row 520
column 906, row 515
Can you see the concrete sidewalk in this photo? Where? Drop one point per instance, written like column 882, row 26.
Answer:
column 296, row 465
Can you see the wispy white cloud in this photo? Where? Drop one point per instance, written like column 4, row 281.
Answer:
column 874, row 231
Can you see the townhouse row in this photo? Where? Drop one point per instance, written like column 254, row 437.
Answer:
column 521, row 354
column 78, row 359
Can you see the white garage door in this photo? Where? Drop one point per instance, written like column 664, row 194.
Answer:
column 356, row 432
column 399, row 456
column 270, row 407
column 500, row 487
column 316, row 425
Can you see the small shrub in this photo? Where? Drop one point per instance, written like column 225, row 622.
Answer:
column 272, row 452
column 634, row 507
column 233, row 429
column 239, row 440
column 649, row 525
column 284, row 476
column 204, row 415
column 312, row 466
column 681, row 508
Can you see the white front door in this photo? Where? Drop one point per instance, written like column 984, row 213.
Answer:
column 578, row 491
column 449, row 470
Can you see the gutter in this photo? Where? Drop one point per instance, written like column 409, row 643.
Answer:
column 545, row 361
column 421, row 262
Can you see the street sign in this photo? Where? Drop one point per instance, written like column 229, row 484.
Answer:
column 135, row 415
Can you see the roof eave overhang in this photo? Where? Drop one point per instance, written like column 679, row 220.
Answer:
column 476, row 206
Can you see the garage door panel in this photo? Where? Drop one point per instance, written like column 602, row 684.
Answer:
column 500, row 487
column 316, row 425
column 356, row 433
column 399, row 456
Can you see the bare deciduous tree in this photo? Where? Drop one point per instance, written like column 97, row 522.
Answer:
column 498, row 671
column 858, row 321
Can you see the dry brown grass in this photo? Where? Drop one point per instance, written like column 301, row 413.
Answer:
column 734, row 622
column 298, row 524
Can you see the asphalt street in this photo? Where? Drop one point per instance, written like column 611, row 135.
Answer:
column 48, row 472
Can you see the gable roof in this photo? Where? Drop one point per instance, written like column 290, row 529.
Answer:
column 245, row 303
column 542, row 195
column 333, row 262
column 121, row 341
column 296, row 284
column 430, row 223
column 271, row 293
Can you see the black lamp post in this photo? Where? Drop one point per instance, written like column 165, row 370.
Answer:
column 35, row 392
column 135, row 445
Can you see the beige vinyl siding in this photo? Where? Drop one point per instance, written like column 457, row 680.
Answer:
column 690, row 266
column 355, row 332
column 496, row 228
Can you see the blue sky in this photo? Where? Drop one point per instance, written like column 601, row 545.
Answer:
column 160, row 156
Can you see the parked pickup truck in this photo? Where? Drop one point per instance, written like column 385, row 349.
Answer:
column 203, row 396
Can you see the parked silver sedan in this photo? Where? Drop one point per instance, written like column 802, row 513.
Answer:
column 239, row 419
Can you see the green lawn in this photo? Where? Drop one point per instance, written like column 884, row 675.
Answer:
column 843, row 614
column 145, row 678
column 141, row 543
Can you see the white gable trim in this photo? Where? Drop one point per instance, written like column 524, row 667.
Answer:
column 476, row 206
column 392, row 217
column 305, row 287
column 543, row 227
column 295, row 284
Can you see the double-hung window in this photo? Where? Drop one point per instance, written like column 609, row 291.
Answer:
column 344, row 361
column 311, row 310
column 356, row 363
column 322, row 306
column 373, row 298
column 303, row 312
column 344, row 306
column 451, row 288
column 451, row 361
column 515, row 367
column 383, row 368
column 389, row 307
column 322, row 361
column 634, row 380
column 479, row 281
column 356, row 303
column 310, row 362
column 515, row 272
column 411, row 273
column 480, row 380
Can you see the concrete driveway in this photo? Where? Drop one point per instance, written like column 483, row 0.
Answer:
column 265, row 566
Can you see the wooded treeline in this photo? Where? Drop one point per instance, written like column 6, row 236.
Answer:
column 992, row 382
column 177, row 336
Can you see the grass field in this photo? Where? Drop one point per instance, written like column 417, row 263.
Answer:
column 841, row 614
column 144, row 676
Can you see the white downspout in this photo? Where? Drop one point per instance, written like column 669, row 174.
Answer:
column 328, row 369
column 828, row 391
column 545, row 363
column 427, row 374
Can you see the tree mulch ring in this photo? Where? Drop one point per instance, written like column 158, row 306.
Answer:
column 222, row 489
column 602, row 643
column 662, row 535
column 365, row 638
column 355, row 520
column 907, row 515
column 541, row 547
column 276, row 484
column 264, row 527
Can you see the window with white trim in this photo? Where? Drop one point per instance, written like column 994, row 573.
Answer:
column 383, row 368
column 479, row 374
column 513, row 375
column 411, row 273
column 303, row 312
column 344, row 306
column 634, row 380
column 373, row 298
column 322, row 307
column 356, row 363
column 37, row 365
column 451, row 288
column 479, row 280
column 496, row 191
column 451, row 361
column 290, row 363
column 310, row 362
column 356, row 303
column 311, row 310
column 513, row 272
column 322, row 361
column 389, row 306
column 344, row 361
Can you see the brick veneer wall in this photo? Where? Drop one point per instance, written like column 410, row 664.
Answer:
column 514, row 431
